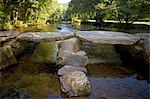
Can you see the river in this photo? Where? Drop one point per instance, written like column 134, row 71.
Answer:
column 110, row 78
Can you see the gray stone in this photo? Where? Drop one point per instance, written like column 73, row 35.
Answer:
column 7, row 35
column 44, row 36
column 67, row 69
column 7, row 57
column 145, row 45
column 143, row 35
column 107, row 37
column 75, row 84
column 66, row 57
column 72, row 44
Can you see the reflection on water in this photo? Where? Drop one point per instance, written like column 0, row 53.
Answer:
column 47, row 28
column 119, row 88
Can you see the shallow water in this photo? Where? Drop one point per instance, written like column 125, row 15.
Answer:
column 109, row 77
column 119, row 88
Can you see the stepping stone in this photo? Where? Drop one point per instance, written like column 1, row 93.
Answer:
column 66, row 69
column 75, row 84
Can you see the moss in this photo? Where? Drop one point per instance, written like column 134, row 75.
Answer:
column 45, row 52
column 87, row 88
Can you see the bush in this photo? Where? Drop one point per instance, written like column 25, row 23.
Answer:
column 18, row 24
column 8, row 26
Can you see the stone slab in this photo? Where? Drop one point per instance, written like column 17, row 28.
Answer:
column 107, row 37
column 6, row 35
column 45, row 36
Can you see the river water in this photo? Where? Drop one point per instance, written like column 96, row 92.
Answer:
column 110, row 78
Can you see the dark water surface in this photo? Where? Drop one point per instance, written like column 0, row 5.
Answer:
column 109, row 77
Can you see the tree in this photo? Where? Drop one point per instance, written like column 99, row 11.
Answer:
column 29, row 11
column 81, row 9
column 88, row 9
column 129, row 10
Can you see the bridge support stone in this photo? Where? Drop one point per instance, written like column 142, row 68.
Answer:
column 73, row 73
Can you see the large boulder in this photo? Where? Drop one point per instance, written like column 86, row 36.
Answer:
column 66, row 57
column 46, row 52
column 107, row 37
column 7, row 57
column 72, row 44
column 66, row 69
column 75, row 84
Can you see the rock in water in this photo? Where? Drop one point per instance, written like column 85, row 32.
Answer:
column 7, row 57
column 75, row 84
column 66, row 57
column 66, row 69
column 72, row 45
column 145, row 45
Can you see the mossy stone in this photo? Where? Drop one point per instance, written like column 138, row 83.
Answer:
column 45, row 52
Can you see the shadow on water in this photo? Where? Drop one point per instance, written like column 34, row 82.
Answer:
column 110, row 77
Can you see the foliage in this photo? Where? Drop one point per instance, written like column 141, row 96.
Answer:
column 29, row 11
column 129, row 10
column 121, row 10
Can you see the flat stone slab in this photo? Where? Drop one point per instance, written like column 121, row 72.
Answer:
column 44, row 36
column 6, row 35
column 107, row 37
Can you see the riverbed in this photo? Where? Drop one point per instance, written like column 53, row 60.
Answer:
column 110, row 77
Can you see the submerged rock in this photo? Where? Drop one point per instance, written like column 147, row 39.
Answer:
column 101, row 53
column 67, row 69
column 107, row 37
column 66, row 57
column 7, row 57
column 46, row 52
column 75, row 84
